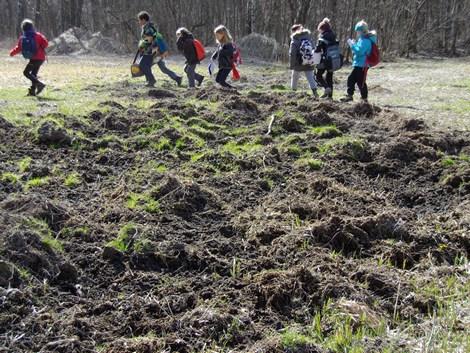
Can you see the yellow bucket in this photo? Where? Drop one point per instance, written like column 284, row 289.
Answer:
column 136, row 71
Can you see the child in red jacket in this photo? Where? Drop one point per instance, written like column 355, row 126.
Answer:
column 33, row 46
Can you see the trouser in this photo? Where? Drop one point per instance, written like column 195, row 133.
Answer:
column 31, row 71
column 221, row 77
column 146, row 67
column 308, row 74
column 163, row 68
column 328, row 83
column 358, row 77
column 193, row 76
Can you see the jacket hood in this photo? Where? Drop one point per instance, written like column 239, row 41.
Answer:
column 372, row 36
column 301, row 34
column 329, row 36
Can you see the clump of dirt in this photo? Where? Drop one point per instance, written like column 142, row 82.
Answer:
column 114, row 121
column 184, row 198
column 50, row 133
column 5, row 124
column 161, row 93
column 195, row 228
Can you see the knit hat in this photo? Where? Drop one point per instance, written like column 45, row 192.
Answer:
column 296, row 28
column 362, row 26
column 324, row 25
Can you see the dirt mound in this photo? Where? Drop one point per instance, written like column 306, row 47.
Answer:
column 259, row 46
column 82, row 41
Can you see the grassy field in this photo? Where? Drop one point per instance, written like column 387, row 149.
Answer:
column 435, row 90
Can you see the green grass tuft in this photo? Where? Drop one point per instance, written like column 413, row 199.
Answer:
column 72, row 180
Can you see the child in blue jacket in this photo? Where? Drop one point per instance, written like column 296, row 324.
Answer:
column 361, row 49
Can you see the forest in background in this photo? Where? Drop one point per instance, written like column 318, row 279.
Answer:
column 405, row 27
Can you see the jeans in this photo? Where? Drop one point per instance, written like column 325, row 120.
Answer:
column 163, row 68
column 328, row 83
column 308, row 74
column 193, row 76
column 31, row 71
column 221, row 77
column 358, row 77
column 146, row 67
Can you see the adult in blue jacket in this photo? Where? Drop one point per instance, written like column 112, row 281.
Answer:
column 361, row 49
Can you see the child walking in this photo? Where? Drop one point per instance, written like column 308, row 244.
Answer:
column 301, row 45
column 361, row 49
column 147, row 46
column 224, row 55
column 32, row 45
column 185, row 44
column 326, row 39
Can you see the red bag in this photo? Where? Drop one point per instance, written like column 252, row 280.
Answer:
column 235, row 73
column 200, row 50
column 373, row 59
column 237, row 56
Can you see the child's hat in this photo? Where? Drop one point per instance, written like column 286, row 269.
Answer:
column 324, row 25
column 362, row 26
column 27, row 25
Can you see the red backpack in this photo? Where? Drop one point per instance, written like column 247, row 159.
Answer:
column 236, row 60
column 200, row 50
column 373, row 59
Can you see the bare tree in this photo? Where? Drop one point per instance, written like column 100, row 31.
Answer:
column 404, row 26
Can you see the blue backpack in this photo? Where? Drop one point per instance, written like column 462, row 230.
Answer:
column 162, row 46
column 28, row 44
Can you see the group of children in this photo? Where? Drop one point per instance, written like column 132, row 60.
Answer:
column 153, row 48
column 302, row 54
column 305, row 56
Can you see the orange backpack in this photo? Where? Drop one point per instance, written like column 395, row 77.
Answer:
column 200, row 51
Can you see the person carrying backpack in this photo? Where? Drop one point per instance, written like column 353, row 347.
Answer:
column 362, row 49
column 331, row 60
column 224, row 55
column 187, row 46
column 33, row 46
column 147, row 46
column 162, row 53
column 301, row 57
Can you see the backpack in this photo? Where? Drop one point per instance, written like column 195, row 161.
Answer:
column 200, row 51
column 28, row 45
column 373, row 59
column 333, row 56
column 236, row 60
column 162, row 46
column 306, row 52
column 237, row 55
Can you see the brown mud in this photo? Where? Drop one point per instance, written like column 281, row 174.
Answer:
column 225, row 236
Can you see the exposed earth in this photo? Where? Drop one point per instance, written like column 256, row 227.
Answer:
column 218, row 221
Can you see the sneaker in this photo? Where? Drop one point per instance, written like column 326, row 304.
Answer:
column 40, row 87
column 347, row 98
column 364, row 100
column 315, row 94
column 31, row 92
column 179, row 81
column 199, row 83
column 150, row 84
